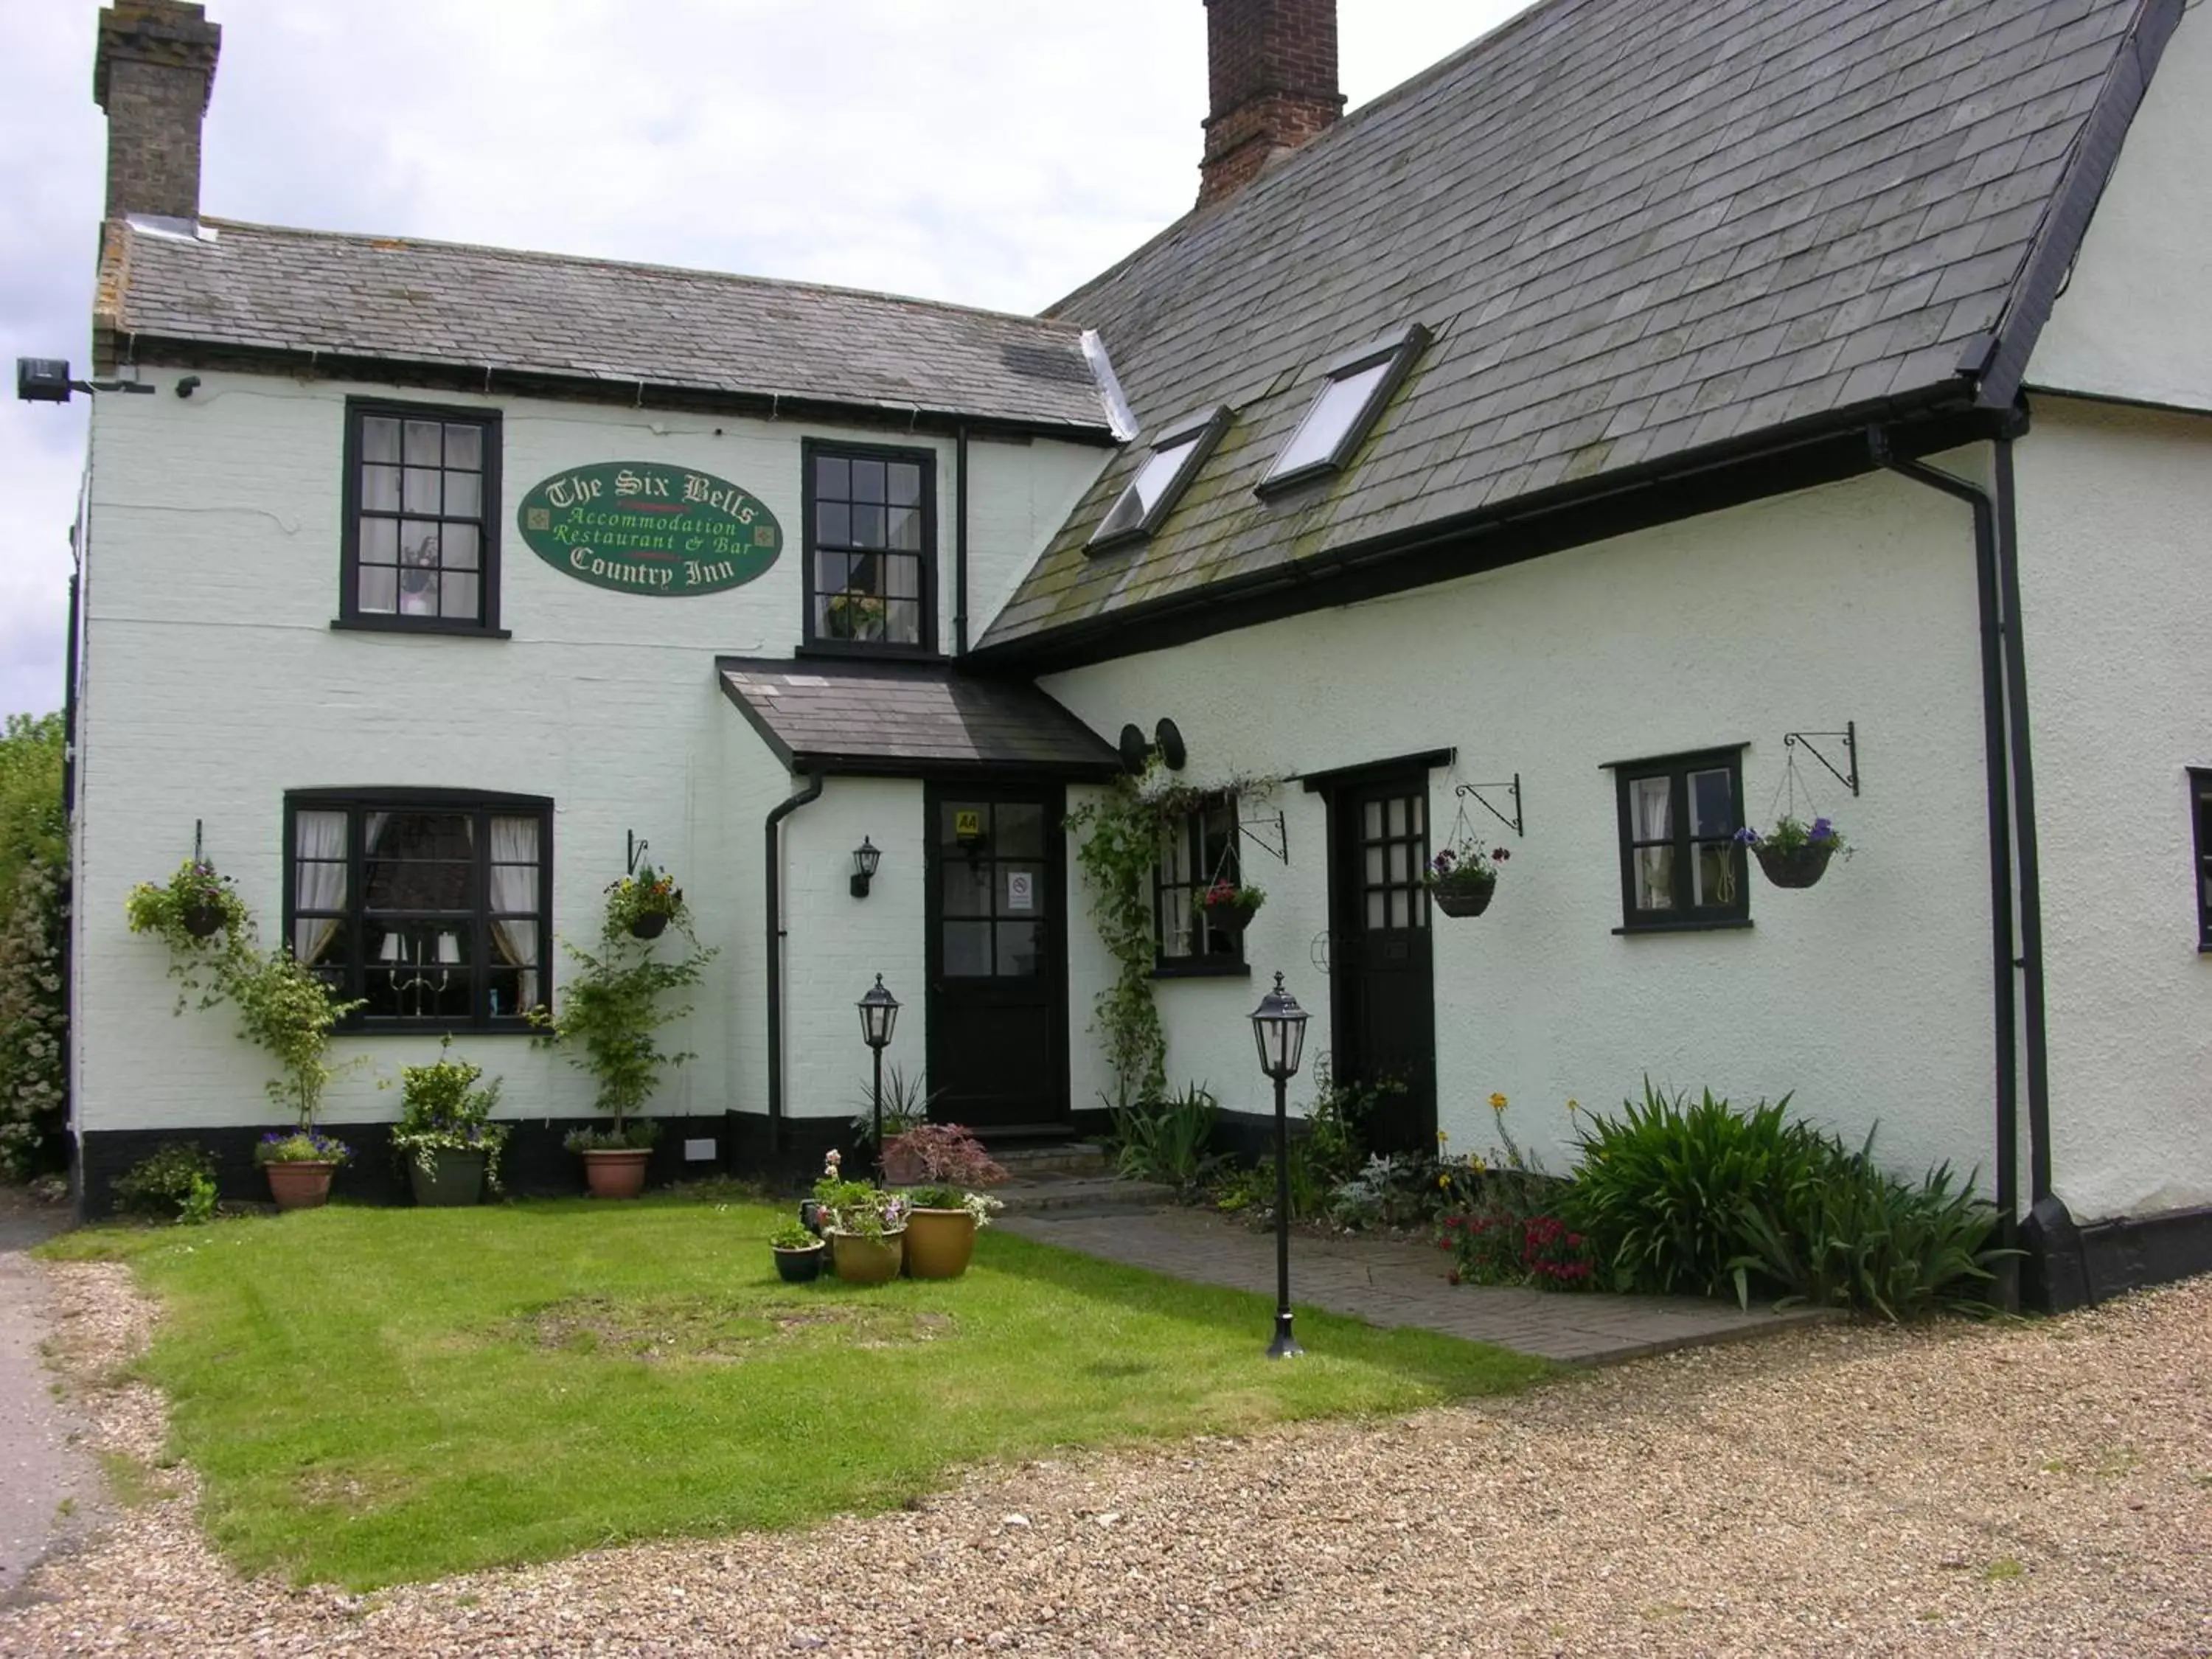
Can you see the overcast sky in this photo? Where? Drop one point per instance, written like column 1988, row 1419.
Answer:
column 994, row 152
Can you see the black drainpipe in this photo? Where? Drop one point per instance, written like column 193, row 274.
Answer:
column 2007, row 762
column 782, row 810
column 960, row 543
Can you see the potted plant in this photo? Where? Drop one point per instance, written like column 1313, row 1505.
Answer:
column 612, row 1006
column 288, row 1010
column 865, row 1225
column 855, row 616
column 1229, row 906
column 300, row 1163
column 798, row 1253
column 446, row 1131
column 943, row 1215
column 644, row 904
column 190, row 908
column 1462, row 879
column 1794, row 854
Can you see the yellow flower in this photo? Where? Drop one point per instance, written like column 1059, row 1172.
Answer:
column 1573, row 1106
column 1444, row 1181
column 1498, row 1103
column 1441, row 1137
column 1480, row 1168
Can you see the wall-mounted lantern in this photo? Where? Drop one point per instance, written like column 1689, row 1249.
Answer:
column 865, row 857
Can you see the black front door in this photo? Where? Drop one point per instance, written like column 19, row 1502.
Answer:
column 1381, row 979
column 998, row 1017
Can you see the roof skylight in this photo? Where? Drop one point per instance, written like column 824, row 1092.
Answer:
column 1177, row 454
column 1359, row 384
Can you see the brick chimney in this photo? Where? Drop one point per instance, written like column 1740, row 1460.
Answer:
column 1270, row 68
column 152, row 74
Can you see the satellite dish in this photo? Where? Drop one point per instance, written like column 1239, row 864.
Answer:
column 1135, row 751
column 1171, row 744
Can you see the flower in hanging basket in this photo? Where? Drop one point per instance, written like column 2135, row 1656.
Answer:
column 192, row 906
column 1227, row 904
column 1463, row 878
column 644, row 904
column 1794, row 854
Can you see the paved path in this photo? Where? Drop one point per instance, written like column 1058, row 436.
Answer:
column 40, row 1470
column 1385, row 1282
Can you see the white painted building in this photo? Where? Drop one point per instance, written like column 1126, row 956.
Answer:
column 1827, row 390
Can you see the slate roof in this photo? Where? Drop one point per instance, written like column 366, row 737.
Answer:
column 1639, row 229
column 255, row 287
column 893, row 719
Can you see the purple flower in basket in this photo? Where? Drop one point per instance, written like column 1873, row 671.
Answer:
column 1749, row 836
column 1822, row 830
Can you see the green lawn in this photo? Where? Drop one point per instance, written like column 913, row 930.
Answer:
column 376, row 1395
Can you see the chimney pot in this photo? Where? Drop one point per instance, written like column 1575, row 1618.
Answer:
column 1272, row 75
column 154, row 73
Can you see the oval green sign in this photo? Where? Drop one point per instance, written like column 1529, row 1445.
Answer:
column 648, row 527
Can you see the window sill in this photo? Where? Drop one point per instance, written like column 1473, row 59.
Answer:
column 1728, row 924
column 867, row 652
column 417, row 625
column 1202, row 967
column 435, row 1028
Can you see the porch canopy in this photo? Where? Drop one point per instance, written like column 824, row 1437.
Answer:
column 898, row 719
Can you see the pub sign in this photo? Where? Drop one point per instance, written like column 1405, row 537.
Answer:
column 648, row 527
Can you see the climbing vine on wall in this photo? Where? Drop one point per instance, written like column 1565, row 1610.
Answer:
column 1119, row 843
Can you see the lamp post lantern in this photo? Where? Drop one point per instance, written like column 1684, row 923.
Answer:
column 1279, row 1026
column 878, row 1016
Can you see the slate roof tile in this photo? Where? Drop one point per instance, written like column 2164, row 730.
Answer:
column 439, row 303
column 1634, row 226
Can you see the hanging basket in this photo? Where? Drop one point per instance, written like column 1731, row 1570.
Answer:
column 1795, row 867
column 203, row 920
column 1230, row 919
column 651, row 924
column 1463, row 901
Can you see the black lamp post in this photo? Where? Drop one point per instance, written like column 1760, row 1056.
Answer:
column 865, row 857
column 878, row 1015
column 1278, row 1025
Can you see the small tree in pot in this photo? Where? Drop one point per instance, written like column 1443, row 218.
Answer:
column 612, row 1008
column 940, row 1233
column 446, row 1133
column 288, row 1010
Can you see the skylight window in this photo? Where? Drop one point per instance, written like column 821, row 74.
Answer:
column 1359, row 384
column 1177, row 454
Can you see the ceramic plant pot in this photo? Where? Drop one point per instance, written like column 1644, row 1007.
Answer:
column 301, row 1183
column 203, row 920
column 1463, row 901
column 862, row 1261
column 618, row 1174
column 939, row 1243
column 1800, row 866
column 454, row 1180
column 798, row 1267
column 651, row 925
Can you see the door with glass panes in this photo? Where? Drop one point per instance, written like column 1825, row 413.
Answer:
column 996, row 895
column 1382, row 976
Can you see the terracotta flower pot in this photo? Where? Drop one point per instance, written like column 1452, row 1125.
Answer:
column 798, row 1267
column 1463, row 901
column 939, row 1243
column 862, row 1261
column 1798, row 867
column 203, row 920
column 301, row 1183
column 618, row 1174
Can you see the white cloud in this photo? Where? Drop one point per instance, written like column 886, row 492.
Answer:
column 993, row 152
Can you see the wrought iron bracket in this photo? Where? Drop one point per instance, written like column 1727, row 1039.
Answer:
column 636, row 851
column 199, row 855
column 1474, row 792
column 1850, row 735
column 1255, row 830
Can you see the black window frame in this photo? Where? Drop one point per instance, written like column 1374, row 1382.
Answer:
column 1202, row 432
column 350, row 615
column 485, row 806
column 811, row 451
column 1398, row 348
column 2200, row 801
column 1221, row 954
column 1685, row 916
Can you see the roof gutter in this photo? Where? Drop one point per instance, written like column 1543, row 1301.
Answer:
column 773, row 863
column 2009, row 778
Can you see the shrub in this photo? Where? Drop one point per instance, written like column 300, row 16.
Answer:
column 1166, row 1141
column 175, row 1182
column 33, row 1021
column 947, row 1156
column 1660, row 1193
column 442, row 1110
column 1846, row 1235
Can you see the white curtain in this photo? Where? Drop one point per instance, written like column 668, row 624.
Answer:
column 514, row 888
column 318, row 851
column 1655, row 822
column 1177, row 924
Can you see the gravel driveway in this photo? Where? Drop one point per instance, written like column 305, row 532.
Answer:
column 2042, row 1489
